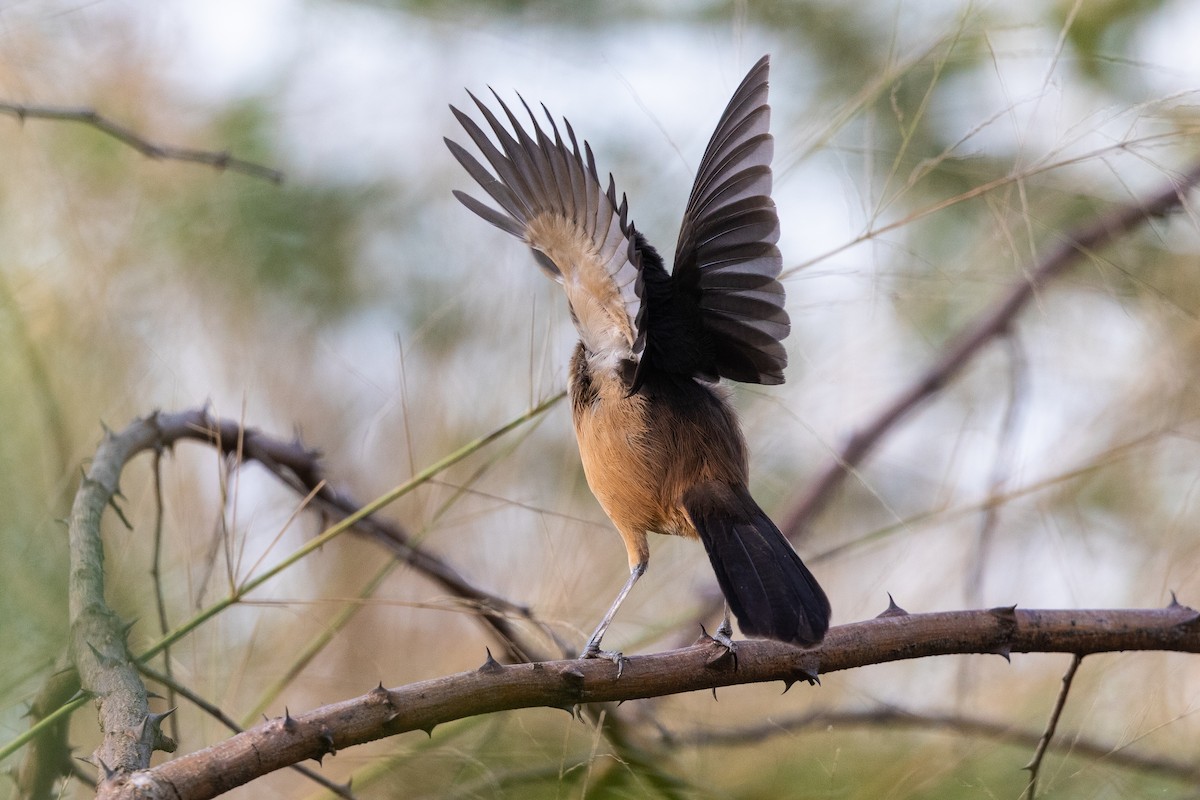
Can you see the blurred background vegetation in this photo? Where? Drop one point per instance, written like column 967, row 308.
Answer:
column 927, row 153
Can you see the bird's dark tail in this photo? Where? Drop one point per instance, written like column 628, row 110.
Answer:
column 771, row 592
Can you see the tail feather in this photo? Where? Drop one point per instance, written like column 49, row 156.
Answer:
column 771, row 592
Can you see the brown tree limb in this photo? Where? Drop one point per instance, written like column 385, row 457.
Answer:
column 93, row 119
column 214, row 711
column 381, row 712
column 959, row 351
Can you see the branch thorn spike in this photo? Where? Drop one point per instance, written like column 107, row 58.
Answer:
column 325, row 736
column 491, row 665
column 892, row 610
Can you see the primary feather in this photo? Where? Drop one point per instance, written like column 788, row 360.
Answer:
column 719, row 314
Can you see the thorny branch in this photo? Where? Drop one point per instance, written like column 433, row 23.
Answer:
column 98, row 649
column 216, row 713
column 93, row 119
column 281, row 742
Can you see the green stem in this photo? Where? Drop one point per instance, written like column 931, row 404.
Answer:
column 341, row 527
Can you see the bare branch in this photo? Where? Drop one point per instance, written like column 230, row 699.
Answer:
column 890, row 718
column 1035, row 764
column 970, row 341
column 299, row 467
column 281, row 742
column 93, row 119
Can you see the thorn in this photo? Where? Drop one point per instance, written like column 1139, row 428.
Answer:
column 573, row 677
column 892, row 610
column 326, row 738
column 429, row 731
column 108, row 772
column 1004, row 651
column 1005, row 613
column 154, row 695
column 289, row 722
column 382, row 695
column 120, row 514
column 802, row 673
column 491, row 665
column 127, row 627
column 714, row 691
column 105, row 661
column 157, row 718
column 1174, row 601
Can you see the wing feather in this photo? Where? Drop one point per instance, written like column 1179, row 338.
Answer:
column 550, row 195
column 726, row 261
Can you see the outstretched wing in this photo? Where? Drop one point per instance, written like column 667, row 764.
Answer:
column 551, row 197
column 726, row 261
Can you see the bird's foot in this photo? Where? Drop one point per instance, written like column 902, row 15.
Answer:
column 723, row 637
column 593, row 651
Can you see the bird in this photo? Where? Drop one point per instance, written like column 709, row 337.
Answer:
column 660, row 443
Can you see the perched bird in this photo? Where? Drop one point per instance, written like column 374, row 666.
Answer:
column 660, row 444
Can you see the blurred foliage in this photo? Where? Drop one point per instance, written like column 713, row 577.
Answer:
column 1100, row 30
column 930, row 153
column 293, row 244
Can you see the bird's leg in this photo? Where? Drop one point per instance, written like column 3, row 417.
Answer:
column 593, row 646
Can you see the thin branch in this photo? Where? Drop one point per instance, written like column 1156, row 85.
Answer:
column 971, row 340
column 160, row 601
column 1035, row 764
column 299, row 467
column 93, row 119
column 890, row 718
column 281, row 742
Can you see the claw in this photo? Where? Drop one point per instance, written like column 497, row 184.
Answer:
column 593, row 651
column 723, row 636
